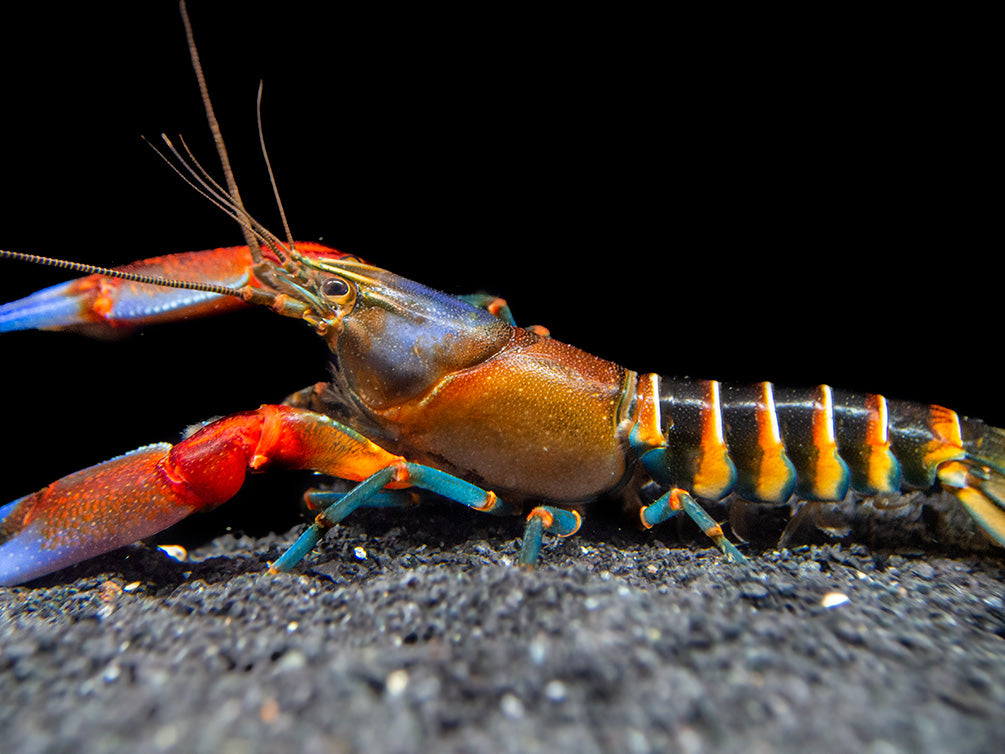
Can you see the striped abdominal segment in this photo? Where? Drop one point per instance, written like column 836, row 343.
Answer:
column 864, row 433
column 753, row 433
column 768, row 444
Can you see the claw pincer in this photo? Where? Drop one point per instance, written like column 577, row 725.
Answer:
column 143, row 492
column 104, row 307
column 90, row 512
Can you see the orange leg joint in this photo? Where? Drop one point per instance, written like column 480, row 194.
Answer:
column 677, row 500
column 558, row 521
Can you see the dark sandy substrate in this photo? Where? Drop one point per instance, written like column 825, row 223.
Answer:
column 429, row 639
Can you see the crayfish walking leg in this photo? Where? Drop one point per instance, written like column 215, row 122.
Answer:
column 559, row 521
column 675, row 501
column 402, row 473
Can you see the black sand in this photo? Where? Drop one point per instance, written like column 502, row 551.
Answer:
column 429, row 639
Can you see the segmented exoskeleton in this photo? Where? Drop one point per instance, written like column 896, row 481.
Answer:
column 773, row 445
column 446, row 394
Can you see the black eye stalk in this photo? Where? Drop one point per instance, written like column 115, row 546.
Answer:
column 335, row 288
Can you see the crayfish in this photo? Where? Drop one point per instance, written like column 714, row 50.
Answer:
column 447, row 394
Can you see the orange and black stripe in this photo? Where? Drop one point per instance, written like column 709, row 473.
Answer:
column 767, row 444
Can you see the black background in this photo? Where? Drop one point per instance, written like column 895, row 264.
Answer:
column 693, row 199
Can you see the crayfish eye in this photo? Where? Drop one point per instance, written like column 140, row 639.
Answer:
column 335, row 288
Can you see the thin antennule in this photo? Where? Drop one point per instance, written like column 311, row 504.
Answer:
column 214, row 195
column 214, row 126
column 135, row 277
column 263, row 234
column 272, row 177
column 205, row 185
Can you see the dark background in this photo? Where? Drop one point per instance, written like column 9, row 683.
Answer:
column 696, row 200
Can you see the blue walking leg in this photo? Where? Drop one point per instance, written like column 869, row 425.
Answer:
column 558, row 521
column 677, row 500
column 363, row 494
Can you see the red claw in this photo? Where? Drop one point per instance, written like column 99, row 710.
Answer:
column 103, row 306
column 143, row 492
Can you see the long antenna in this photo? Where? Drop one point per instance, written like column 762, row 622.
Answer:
column 230, row 202
column 214, row 126
column 134, row 276
column 272, row 176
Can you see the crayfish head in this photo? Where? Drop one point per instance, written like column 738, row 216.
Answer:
column 395, row 339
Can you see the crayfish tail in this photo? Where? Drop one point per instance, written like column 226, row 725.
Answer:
column 978, row 481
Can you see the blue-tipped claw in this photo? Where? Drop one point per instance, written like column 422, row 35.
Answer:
column 47, row 308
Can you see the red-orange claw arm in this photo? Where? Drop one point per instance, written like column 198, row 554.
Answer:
column 104, row 306
column 296, row 438
column 138, row 494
